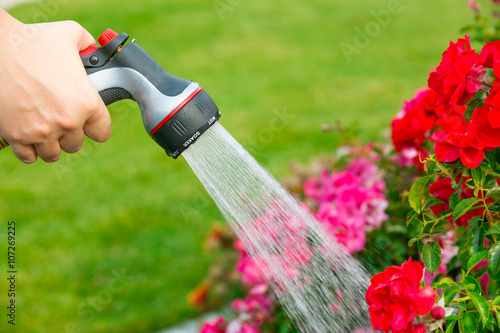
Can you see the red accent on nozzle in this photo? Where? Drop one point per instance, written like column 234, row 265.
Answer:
column 107, row 36
column 171, row 114
column 89, row 50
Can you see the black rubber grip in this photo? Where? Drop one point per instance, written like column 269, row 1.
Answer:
column 111, row 95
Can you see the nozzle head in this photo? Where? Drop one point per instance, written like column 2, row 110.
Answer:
column 186, row 125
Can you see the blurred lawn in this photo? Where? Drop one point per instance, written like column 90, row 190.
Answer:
column 124, row 207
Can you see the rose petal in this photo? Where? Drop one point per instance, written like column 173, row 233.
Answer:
column 446, row 153
column 414, row 271
column 470, row 157
column 426, row 299
column 494, row 117
column 399, row 319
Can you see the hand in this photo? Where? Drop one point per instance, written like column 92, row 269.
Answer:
column 47, row 102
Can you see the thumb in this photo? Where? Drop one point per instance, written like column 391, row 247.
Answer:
column 85, row 39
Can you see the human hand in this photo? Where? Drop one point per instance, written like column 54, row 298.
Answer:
column 47, row 102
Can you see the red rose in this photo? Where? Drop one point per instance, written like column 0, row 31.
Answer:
column 395, row 298
column 488, row 53
column 493, row 98
column 412, row 125
column 458, row 76
column 442, row 189
column 467, row 141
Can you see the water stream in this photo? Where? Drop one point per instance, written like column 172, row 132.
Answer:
column 320, row 286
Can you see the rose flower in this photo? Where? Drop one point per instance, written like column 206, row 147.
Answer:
column 395, row 298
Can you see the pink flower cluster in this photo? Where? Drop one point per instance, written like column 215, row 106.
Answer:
column 252, row 312
column 350, row 203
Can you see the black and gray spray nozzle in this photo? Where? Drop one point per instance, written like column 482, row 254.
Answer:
column 175, row 111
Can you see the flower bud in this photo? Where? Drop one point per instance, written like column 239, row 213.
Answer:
column 438, row 312
column 420, row 328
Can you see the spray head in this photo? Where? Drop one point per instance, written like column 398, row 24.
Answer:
column 175, row 111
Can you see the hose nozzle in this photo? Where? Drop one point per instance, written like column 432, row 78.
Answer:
column 175, row 111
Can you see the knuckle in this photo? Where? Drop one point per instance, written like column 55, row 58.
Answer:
column 16, row 137
column 90, row 104
column 41, row 131
column 73, row 25
column 67, row 123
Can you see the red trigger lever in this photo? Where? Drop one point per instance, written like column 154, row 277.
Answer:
column 107, row 36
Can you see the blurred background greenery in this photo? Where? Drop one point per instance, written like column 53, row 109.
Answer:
column 123, row 208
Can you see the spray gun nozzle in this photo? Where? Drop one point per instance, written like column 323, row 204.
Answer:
column 175, row 111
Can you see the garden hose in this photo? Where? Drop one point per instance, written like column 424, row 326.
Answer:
column 175, row 111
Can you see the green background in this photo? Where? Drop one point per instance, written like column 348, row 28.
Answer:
column 124, row 207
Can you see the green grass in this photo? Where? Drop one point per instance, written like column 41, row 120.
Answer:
column 123, row 205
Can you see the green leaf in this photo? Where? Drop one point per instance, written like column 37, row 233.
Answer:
column 494, row 258
column 493, row 194
column 496, row 301
column 452, row 316
column 412, row 216
column 454, row 200
column 433, row 202
column 475, row 103
column 463, row 207
column 420, row 245
column 450, row 326
column 471, row 281
column 416, row 238
column 431, row 254
column 490, row 182
column 494, row 230
column 463, row 254
column 476, row 259
column 464, row 275
column 482, row 307
column 474, row 222
column 476, row 240
column 444, row 282
column 477, row 174
column 468, row 323
column 438, row 230
column 450, row 293
column 417, row 191
column 493, row 276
